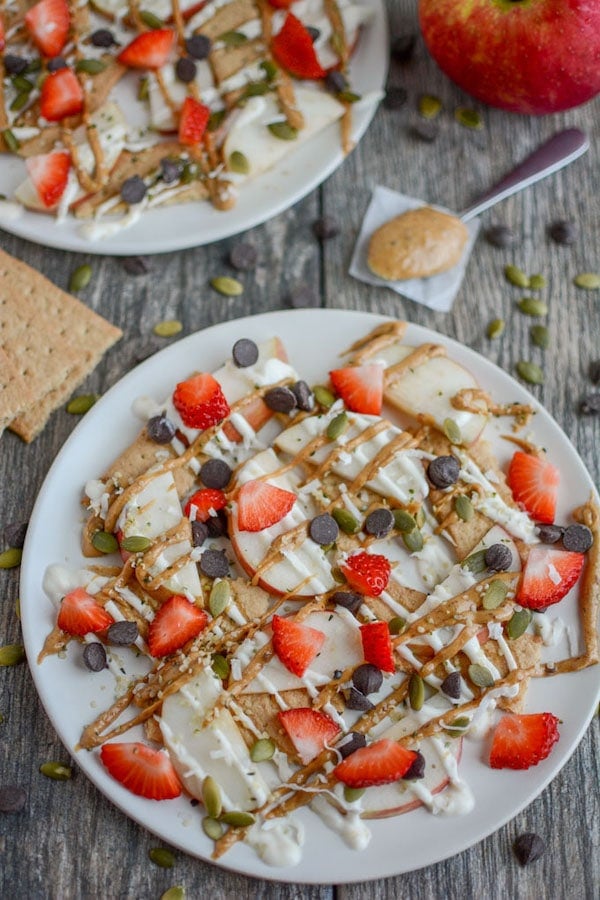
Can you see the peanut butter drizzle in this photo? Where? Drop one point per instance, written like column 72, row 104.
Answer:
column 415, row 358
column 56, row 641
column 589, row 515
column 450, row 650
column 165, row 93
column 402, row 441
column 479, row 402
column 338, row 37
column 526, row 446
column 178, row 22
column 381, row 337
column 362, row 438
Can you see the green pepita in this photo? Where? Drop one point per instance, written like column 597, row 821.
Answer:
column 403, row 521
column 22, row 84
column 34, row 66
column 80, row 278
column 104, row 542
column 531, row 306
column 516, row 276
column 589, row 281
column 212, row 797
column 216, row 119
column 177, row 892
column 463, row 507
column 233, row 38
column 413, row 540
column 189, row 173
column 416, row 692
column 323, row 396
column 518, row 623
column 396, row 625
column 162, row 857
column 337, row 575
column 262, row 750
column 475, row 563
column 269, row 68
column 351, row 795
column 18, row 607
column 283, row 130
column 220, row 595
column 529, row 372
column 143, row 91
column 458, row 726
column 420, row 518
column 480, row 675
column 19, row 102
column 10, row 140
column 540, row 336
column 537, row 282
column 468, row 118
column 12, row 654
column 256, row 89
column 11, row 558
column 136, row 543
column 496, row 328
column 429, row 106
column 226, row 285
column 81, row 404
column 338, row 425
column 220, row 666
column 212, row 828
column 237, row 819
column 90, row 66
column 495, row 594
column 238, row 162
column 452, row 431
column 150, row 19
column 348, row 97
column 57, row 771
column 345, row 520
column 168, row 328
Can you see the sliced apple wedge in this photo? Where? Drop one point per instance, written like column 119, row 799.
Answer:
column 153, row 511
column 183, row 580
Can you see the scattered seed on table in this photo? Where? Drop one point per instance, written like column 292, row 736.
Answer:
column 78, row 406
column 468, row 118
column 540, row 336
column 136, row 265
column 162, row 857
column 500, row 235
column 12, row 799
column 403, row 47
column 12, row 655
column 537, row 282
column 495, row 329
column 325, row 228
column 11, row 558
column 532, row 306
column 564, row 231
column 589, row 281
column 177, row 892
column 529, row 372
column 589, row 406
column 429, row 106
column 80, row 278
column 56, row 770
column 516, row 276
column 395, row 98
column 229, row 287
column 168, row 328
column 243, row 257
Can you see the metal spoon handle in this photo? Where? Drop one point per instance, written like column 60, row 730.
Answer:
column 554, row 154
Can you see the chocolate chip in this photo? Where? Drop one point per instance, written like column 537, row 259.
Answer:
column 217, row 525
column 528, row 847
column 324, row 529
column 395, row 98
column 348, row 599
column 305, row 399
column 403, row 47
column 14, row 534
column 379, row 522
column 325, row 228
column 160, row 429
column 417, row 768
column 56, row 63
column 367, row 678
column 243, row 257
column 443, row 471
column 244, row 353
column 356, row 700
column 315, row 34
column 590, row 405
column 337, row 674
column 102, row 37
column 498, row 558
column 215, row 473
column 500, row 236
column 123, row 634
column 577, row 538
column 594, row 371
column 302, row 296
column 564, row 231
column 451, row 685
column 198, row 46
column 185, row 69
column 136, row 265
column 280, row 399
column 549, row 534
column 335, row 81
column 133, row 190
column 353, row 741
column 170, row 169
column 425, row 131
column 214, row 564
column 94, row 657
column 199, row 533
column 14, row 65
column 12, row 798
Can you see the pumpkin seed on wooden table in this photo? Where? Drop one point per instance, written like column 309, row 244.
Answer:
column 56, row 770
column 168, row 328
column 229, row 287
column 162, row 857
column 177, row 892
column 80, row 278
column 540, row 336
column 516, row 276
column 12, row 654
column 531, row 306
column 11, row 558
column 429, row 106
column 589, row 281
column 468, row 118
column 530, row 372
column 496, row 328
column 78, row 406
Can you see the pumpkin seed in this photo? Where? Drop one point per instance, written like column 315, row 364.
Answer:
column 351, row 795
column 463, row 507
column 531, row 306
column 78, row 406
column 269, row 68
column 228, row 286
column 468, row 118
column 416, row 692
column 337, row 575
column 150, row 19
column 496, row 328
column 177, row 892
column 104, row 542
column 238, row 162
column 10, row 140
column 189, row 173
column 540, row 336
column 475, row 563
column 429, row 106
column 323, row 396
column 518, row 623
column 12, row 654
column 20, row 101
column 396, row 625
column 338, row 425
column 237, row 819
column 516, row 276
column 457, row 726
column 420, row 517
column 233, row 38
column 34, row 66
column 57, row 771
column 136, row 543
column 220, row 666
column 143, row 91
column 21, row 83
column 345, row 520
column 168, row 328
column 495, row 594
column 18, row 607
column 90, row 66
column 162, row 857
column 529, row 372
column 413, row 540
column 212, row 797
column 216, row 119
column 262, row 749
column 403, row 521
column 348, row 97
column 255, row 89
column 590, row 281
column 220, row 595
column 212, row 828
column 283, row 130
column 480, row 675
column 80, row 278
column 537, row 282
column 11, row 558
column 452, row 431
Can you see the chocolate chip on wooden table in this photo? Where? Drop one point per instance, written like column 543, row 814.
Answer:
column 348, row 599
column 367, row 678
column 214, row 564
column 280, row 399
column 425, row 131
column 353, row 741
column 528, row 847
column 123, row 634
column 14, row 534
column 324, row 529
column 136, row 265
column 577, row 538
column 498, row 558
column 302, row 296
column 305, row 399
column 357, row 700
column 215, row 473
column 403, row 47
column 417, row 768
column 590, row 405
column 379, row 522
column 443, row 471
column 12, row 798
column 564, row 231
column 243, row 257
column 160, row 429
column 325, row 228
column 244, row 353
column 198, row 46
column 499, row 235
column 94, row 657
column 594, row 371
column 395, row 98
column 549, row 534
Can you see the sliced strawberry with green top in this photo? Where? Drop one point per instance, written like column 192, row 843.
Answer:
column 200, row 504
column 48, row 23
column 295, row 644
column 548, row 576
column 382, row 762
column 360, row 387
column 261, row 505
column 80, row 614
column 293, row 49
column 149, row 50
column 367, row 573
column 534, row 485
column 176, row 622
column 377, row 645
column 309, row 730
column 61, row 95
column 193, row 120
column 521, row 741
column 200, row 401
column 49, row 174
column 146, row 772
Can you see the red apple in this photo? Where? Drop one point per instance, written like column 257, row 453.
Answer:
column 526, row 56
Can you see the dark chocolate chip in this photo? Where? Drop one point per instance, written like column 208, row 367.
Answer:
column 528, row 847
column 14, row 534
column 564, row 231
column 549, row 534
column 199, row 533
column 590, row 405
column 451, row 685
column 335, row 81
column 170, row 169
column 315, row 34
column 425, row 131
column 215, row 473
column 217, row 525
column 12, row 798
column 594, row 371
column 94, row 657
column 403, row 47
column 243, row 257
column 123, row 634
column 194, row 802
column 14, row 65
column 185, row 69
column 353, row 741
column 443, row 471
column 280, row 399
column 305, row 399
column 379, row 522
column 56, row 63
column 348, row 599
column 395, row 98
column 367, row 678
column 160, row 429
column 500, row 236
column 302, row 296
column 133, row 190
column 417, row 768
column 577, row 538
column 325, row 228
column 102, row 37
column 337, row 674
column 198, row 46
column 244, row 353
column 136, row 265
column 324, row 529
column 356, row 700
column 214, row 564
column 498, row 558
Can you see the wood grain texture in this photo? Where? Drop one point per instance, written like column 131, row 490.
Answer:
column 72, row 843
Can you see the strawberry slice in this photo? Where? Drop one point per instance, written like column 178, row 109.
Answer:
column 261, row 505
column 199, row 506
column 521, row 741
column 534, row 484
column 549, row 575
column 48, row 23
column 295, row 644
column 200, row 401
column 80, row 614
column 142, row 770
column 360, row 387
column 382, row 762
column 367, row 573
column 309, row 730
column 193, row 120
column 293, row 49
column 49, row 173
column 61, row 96
column 377, row 645
column 149, row 50
column 176, row 622
column 2, row 35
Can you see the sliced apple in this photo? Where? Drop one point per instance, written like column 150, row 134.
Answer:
column 162, row 9
column 60, row 580
column 153, row 511
column 184, row 580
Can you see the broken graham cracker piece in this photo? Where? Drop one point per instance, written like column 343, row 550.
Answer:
column 49, row 342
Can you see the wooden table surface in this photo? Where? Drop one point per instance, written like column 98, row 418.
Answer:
column 70, row 842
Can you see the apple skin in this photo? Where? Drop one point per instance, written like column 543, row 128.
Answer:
column 525, row 56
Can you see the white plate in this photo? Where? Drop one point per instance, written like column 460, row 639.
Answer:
column 195, row 224
column 73, row 697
